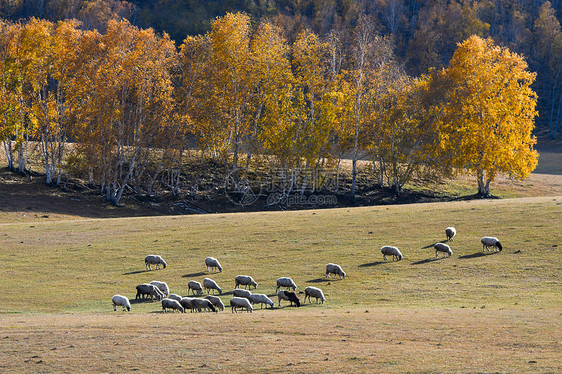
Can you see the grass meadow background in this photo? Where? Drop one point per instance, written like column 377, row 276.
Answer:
column 473, row 312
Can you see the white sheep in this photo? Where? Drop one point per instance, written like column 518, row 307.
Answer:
column 242, row 293
column 162, row 286
column 334, row 269
column 240, row 302
column 173, row 305
column 213, row 263
column 389, row 250
column 150, row 290
column 194, row 286
column 450, row 232
column 261, row 298
column 490, row 241
column 216, row 301
column 441, row 247
column 203, row 304
column 210, row 284
column 244, row 280
column 154, row 260
column 188, row 303
column 285, row 282
column 314, row 292
column 121, row 301
column 173, row 296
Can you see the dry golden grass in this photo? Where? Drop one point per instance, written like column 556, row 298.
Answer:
column 367, row 340
column 472, row 312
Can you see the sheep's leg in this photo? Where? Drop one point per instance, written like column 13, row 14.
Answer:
column 384, row 257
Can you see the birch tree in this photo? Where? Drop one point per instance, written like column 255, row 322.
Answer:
column 491, row 112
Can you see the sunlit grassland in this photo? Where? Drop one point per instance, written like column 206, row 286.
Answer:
column 497, row 312
column 78, row 265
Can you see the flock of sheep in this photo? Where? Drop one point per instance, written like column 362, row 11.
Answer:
column 243, row 298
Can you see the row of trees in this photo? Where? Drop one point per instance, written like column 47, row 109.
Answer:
column 134, row 103
column 424, row 33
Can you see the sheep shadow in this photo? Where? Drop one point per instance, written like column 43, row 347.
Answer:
column 136, row 272
column 199, row 274
column 371, row 264
column 431, row 245
column 478, row 254
column 140, row 301
column 320, row 280
column 421, row 262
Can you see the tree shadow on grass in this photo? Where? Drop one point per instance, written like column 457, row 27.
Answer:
column 372, row 264
column 478, row 254
column 136, row 272
column 194, row 274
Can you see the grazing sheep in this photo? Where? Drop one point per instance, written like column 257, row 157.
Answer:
column 440, row 247
column 150, row 290
column 334, row 269
column 240, row 302
column 291, row 296
column 173, row 305
column 210, row 284
column 216, row 301
column 450, row 232
column 173, row 296
column 213, row 263
column 121, row 301
column 154, row 260
column 490, row 241
column 244, row 280
column 260, row 298
column 203, row 304
column 314, row 292
column 285, row 282
column 242, row 293
column 194, row 286
column 162, row 286
column 188, row 303
column 388, row 250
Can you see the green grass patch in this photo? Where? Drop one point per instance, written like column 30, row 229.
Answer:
column 70, row 266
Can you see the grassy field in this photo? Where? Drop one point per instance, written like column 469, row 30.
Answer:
column 473, row 312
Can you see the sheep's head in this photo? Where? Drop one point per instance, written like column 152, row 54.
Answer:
column 158, row 293
column 128, row 308
column 164, row 264
column 498, row 244
column 253, row 283
column 212, row 307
